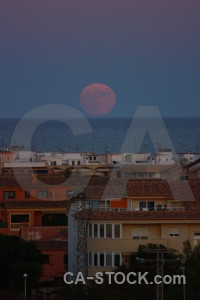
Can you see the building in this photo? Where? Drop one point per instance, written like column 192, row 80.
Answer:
column 113, row 236
column 193, row 169
column 34, row 207
column 52, row 243
column 147, row 212
column 36, row 202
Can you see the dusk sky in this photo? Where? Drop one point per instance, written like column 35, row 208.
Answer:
column 148, row 52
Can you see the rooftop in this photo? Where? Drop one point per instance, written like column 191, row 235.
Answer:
column 97, row 187
column 192, row 214
column 34, row 204
column 52, row 245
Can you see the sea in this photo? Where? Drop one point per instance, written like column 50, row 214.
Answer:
column 107, row 134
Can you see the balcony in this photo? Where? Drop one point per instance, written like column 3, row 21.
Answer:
column 17, row 226
column 103, row 208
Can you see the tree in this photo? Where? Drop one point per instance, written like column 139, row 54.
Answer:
column 192, row 269
column 173, row 265
column 16, row 258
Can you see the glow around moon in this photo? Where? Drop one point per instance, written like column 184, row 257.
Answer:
column 97, row 99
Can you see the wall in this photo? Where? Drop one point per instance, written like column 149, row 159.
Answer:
column 56, row 267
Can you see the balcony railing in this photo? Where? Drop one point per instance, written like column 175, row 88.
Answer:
column 17, row 226
column 103, row 208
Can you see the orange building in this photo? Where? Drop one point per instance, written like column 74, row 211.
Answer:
column 52, row 243
column 37, row 203
column 29, row 210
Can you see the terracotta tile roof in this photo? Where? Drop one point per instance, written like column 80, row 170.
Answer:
column 17, row 204
column 28, row 180
column 145, row 187
column 97, row 187
column 52, row 245
column 141, row 215
column 150, row 187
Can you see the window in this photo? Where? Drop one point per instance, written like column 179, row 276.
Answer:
column 27, row 194
column 17, row 220
column 140, row 233
column 101, row 259
column 78, row 162
column 42, row 194
column 73, row 162
column 101, row 230
column 95, row 230
column 108, row 259
column 9, row 195
column 95, row 259
column 53, row 163
column 104, row 230
column 174, row 205
column 150, row 205
column 116, row 260
column 197, row 235
column 104, row 259
column 196, row 238
column 174, row 232
column 107, row 204
column 142, row 205
column 23, row 218
column 109, row 230
column 117, row 231
column 146, row 205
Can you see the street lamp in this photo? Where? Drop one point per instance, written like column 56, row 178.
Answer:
column 182, row 268
column 25, row 276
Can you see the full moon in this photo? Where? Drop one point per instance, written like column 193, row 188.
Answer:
column 97, row 99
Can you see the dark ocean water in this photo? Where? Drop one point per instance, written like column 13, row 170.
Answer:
column 106, row 134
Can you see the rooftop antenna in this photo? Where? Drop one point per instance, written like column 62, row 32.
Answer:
column 106, row 153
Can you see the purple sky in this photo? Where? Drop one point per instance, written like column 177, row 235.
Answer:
column 147, row 51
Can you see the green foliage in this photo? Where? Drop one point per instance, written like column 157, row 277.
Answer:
column 187, row 249
column 173, row 266
column 192, row 270
column 16, row 258
column 128, row 291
